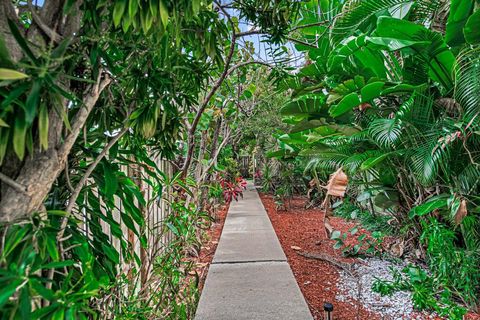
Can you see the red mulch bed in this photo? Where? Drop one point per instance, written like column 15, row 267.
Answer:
column 317, row 279
column 303, row 228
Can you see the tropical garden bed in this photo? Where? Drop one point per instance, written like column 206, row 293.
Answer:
column 322, row 271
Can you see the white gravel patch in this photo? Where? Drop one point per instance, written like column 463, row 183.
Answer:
column 397, row 306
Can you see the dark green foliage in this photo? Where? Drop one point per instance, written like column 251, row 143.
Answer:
column 349, row 211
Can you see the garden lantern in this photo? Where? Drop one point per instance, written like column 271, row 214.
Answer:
column 328, row 311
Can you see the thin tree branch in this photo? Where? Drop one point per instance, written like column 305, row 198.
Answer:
column 74, row 196
column 54, row 36
column 67, row 178
column 249, row 33
column 12, row 183
column 301, row 42
column 83, row 113
column 214, row 159
column 308, row 25
column 203, row 106
column 86, row 175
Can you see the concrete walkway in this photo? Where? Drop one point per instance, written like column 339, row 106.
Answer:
column 249, row 277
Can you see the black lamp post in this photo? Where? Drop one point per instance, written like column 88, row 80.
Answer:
column 328, row 308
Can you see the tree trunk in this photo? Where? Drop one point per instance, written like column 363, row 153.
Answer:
column 198, row 169
column 38, row 171
column 41, row 169
column 216, row 134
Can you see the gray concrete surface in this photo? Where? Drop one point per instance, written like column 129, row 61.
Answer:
column 249, row 277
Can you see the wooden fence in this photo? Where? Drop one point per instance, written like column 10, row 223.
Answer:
column 154, row 214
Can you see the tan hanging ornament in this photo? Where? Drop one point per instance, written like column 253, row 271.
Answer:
column 336, row 186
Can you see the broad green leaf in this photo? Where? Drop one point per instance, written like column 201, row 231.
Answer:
column 306, row 125
column 9, row 74
column 315, row 150
column 25, row 304
column 460, row 10
column 163, row 13
column 59, row 314
column 349, row 86
column 472, row 28
column 338, row 245
column 309, row 104
column 21, row 41
column 4, row 139
column 293, row 138
column 437, row 55
column 41, row 289
column 14, row 94
column 355, row 55
column 3, row 124
column 371, row 162
column 111, row 181
column 132, row 8
column 371, row 90
column 147, row 20
column 335, row 234
column 394, row 44
column 429, row 206
column 13, row 240
column 58, row 264
column 402, row 88
column 51, row 245
column 349, row 102
column 172, row 228
column 111, row 253
column 32, row 101
column 60, row 50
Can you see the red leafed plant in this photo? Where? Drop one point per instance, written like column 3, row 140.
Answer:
column 233, row 189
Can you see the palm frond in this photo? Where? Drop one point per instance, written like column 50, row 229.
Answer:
column 423, row 11
column 387, row 132
column 435, row 152
column 467, row 85
column 353, row 163
column 469, row 178
column 356, row 12
column 471, row 232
